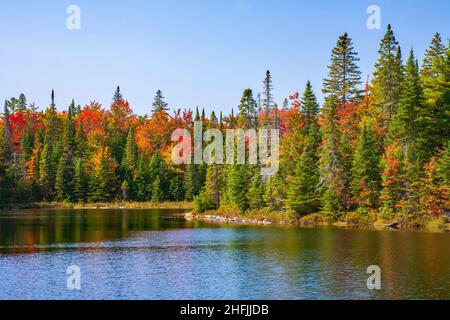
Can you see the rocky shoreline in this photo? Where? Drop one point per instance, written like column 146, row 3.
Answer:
column 235, row 220
column 227, row 220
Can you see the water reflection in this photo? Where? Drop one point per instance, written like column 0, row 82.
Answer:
column 155, row 254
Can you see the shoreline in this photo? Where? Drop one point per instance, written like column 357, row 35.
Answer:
column 434, row 225
column 184, row 205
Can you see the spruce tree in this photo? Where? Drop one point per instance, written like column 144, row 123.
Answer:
column 434, row 117
column 80, row 182
column 46, row 173
column 7, row 142
column 247, row 110
column 387, row 78
column 310, row 106
column 157, row 195
column 435, row 51
column 344, row 77
column 332, row 171
column 303, row 196
column 366, row 180
column 267, row 101
column 256, row 191
column 131, row 152
column 404, row 126
column 237, row 186
column 213, row 185
column 117, row 96
column 159, row 105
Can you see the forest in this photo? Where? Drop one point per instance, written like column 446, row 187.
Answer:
column 378, row 148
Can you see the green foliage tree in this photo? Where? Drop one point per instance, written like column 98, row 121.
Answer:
column 387, row 78
column 344, row 77
column 303, row 196
column 366, row 179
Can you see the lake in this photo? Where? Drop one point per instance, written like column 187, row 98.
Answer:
column 156, row 254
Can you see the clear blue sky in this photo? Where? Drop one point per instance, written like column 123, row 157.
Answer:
column 198, row 52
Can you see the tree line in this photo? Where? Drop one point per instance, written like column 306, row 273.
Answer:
column 381, row 147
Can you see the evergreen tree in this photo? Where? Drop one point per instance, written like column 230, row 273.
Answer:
column 267, row 102
column 142, row 180
column 237, row 186
column 80, row 182
column 157, row 194
column 46, row 173
column 303, row 195
column 117, row 96
column 404, row 126
column 344, row 77
column 22, row 105
column 435, row 51
column 434, row 117
column 159, row 105
column 213, row 185
column 444, row 165
column 366, row 181
column 332, row 171
column 256, row 192
column 7, row 142
column 65, row 171
column 387, row 78
column 310, row 105
column 131, row 152
column 247, row 110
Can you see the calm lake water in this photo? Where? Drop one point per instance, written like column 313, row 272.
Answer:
column 156, row 254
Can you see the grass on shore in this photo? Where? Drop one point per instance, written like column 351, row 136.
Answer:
column 368, row 219
column 105, row 205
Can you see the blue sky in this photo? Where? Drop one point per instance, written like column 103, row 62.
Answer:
column 198, row 52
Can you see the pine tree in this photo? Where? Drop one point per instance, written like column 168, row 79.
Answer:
column 142, row 181
column 444, row 165
column 256, row 192
column 303, row 195
column 237, row 186
column 46, row 173
column 267, row 102
column 176, row 188
column 404, row 126
column 344, row 77
column 332, row 171
column 387, row 78
column 7, row 142
column 64, row 178
column 310, row 105
column 247, row 110
column 117, row 96
column 22, row 105
column 64, row 173
column 159, row 105
column 365, row 184
column 157, row 195
column 435, row 51
column 80, row 182
column 131, row 152
column 434, row 117
column 213, row 185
